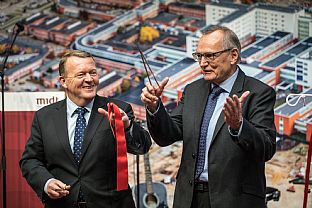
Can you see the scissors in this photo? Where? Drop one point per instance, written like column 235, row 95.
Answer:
column 147, row 67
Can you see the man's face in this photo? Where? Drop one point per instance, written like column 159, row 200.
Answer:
column 80, row 80
column 221, row 65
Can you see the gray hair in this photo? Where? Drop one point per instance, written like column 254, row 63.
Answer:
column 230, row 38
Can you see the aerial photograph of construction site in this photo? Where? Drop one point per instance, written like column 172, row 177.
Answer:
column 135, row 44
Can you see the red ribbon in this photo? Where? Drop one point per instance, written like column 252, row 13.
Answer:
column 119, row 133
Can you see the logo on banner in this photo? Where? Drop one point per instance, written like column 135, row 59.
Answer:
column 42, row 101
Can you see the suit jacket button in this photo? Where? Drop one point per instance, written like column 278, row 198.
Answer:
column 191, row 182
column 193, row 155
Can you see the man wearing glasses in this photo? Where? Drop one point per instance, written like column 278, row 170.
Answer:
column 70, row 158
column 226, row 123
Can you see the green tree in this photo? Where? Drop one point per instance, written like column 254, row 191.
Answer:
column 125, row 85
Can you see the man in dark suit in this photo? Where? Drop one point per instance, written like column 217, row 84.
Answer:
column 226, row 123
column 70, row 157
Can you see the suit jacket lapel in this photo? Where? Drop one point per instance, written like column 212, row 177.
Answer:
column 236, row 89
column 61, row 128
column 94, row 121
column 199, row 105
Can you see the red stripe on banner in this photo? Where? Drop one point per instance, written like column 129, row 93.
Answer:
column 18, row 192
column 119, row 133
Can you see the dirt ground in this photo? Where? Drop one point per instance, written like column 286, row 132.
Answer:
column 279, row 171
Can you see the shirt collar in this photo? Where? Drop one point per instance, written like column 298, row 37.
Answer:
column 71, row 106
column 227, row 84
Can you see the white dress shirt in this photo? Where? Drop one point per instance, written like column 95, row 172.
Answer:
column 227, row 86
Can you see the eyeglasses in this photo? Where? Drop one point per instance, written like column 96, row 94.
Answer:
column 84, row 75
column 209, row 56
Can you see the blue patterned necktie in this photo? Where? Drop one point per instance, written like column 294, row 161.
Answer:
column 210, row 106
column 79, row 133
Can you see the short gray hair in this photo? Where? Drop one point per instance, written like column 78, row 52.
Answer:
column 230, row 38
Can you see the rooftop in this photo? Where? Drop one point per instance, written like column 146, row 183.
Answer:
column 228, row 5
column 109, row 81
column 292, row 52
column 33, row 18
column 37, row 48
column 276, row 8
column 165, row 17
column 287, row 110
column 133, row 95
column 189, row 5
column 263, row 43
column 175, row 68
column 71, row 27
column 51, row 22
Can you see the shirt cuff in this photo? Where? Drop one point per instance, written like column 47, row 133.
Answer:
column 236, row 133
column 153, row 114
column 46, row 185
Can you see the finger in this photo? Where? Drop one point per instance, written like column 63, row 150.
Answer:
column 243, row 98
column 149, row 103
column 163, row 83
column 236, row 101
column 149, row 95
column 112, row 117
column 229, row 105
column 161, row 87
column 149, row 100
column 239, row 108
column 62, row 192
column 54, row 192
column 103, row 112
column 55, row 189
column 125, row 119
column 63, row 188
column 145, row 100
column 225, row 112
column 226, row 115
column 150, row 88
column 225, row 118
column 60, row 185
column 237, row 105
column 123, row 114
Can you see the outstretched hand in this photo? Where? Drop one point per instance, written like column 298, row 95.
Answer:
column 232, row 110
column 151, row 93
column 111, row 118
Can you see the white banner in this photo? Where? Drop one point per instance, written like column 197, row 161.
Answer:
column 29, row 101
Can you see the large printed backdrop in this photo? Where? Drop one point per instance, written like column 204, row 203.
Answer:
column 19, row 110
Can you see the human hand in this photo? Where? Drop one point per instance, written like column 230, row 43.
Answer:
column 124, row 117
column 57, row 189
column 150, row 94
column 232, row 110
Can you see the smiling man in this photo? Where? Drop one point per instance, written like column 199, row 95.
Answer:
column 70, row 158
column 226, row 123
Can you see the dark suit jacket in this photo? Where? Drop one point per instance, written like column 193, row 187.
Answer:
column 48, row 155
column 236, row 166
